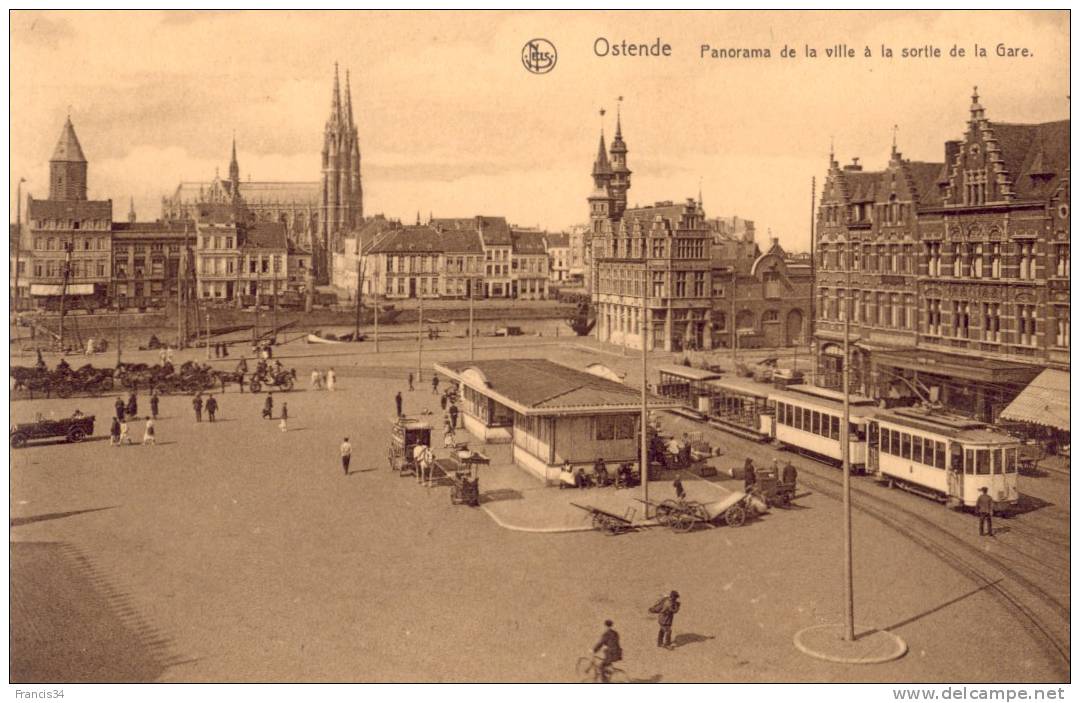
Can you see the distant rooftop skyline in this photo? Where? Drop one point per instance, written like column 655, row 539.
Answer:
column 450, row 122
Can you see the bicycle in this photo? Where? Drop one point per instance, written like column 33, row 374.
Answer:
column 588, row 668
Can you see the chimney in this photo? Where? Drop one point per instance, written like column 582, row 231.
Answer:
column 854, row 165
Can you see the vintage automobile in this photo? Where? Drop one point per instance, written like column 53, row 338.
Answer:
column 75, row 428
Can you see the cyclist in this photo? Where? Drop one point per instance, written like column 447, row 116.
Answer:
column 609, row 649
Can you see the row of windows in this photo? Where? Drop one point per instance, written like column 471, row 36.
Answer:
column 959, row 260
column 919, row 449
column 79, row 269
column 989, row 317
column 808, row 420
column 78, row 244
column 53, row 223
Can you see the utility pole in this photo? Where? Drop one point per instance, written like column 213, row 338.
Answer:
column 734, row 331
column 472, row 305
column 845, row 451
column 18, row 241
column 258, row 289
column 420, row 336
column 645, row 390
column 68, row 246
column 376, row 309
column 813, row 279
column 116, row 294
column 207, row 330
column 359, row 284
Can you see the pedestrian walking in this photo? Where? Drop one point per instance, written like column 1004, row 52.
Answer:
column 211, row 407
column 397, row 402
column 124, row 433
column 680, row 492
column 984, row 507
column 665, row 609
column 790, row 475
column 346, row 455
column 284, row 424
column 268, row 407
column 435, row 384
column 149, row 434
column 453, row 416
column 154, row 400
column 410, row 381
column 315, row 380
column 331, row 379
column 119, row 405
column 161, row 356
column 749, row 475
column 242, row 366
column 114, row 432
column 196, row 403
column 132, row 405
column 442, row 401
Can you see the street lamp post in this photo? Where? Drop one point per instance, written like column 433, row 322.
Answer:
column 845, row 452
column 645, row 387
column 18, row 241
column 472, row 302
column 420, row 335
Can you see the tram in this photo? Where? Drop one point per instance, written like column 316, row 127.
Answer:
column 943, row 457
column 808, row 418
column 688, row 385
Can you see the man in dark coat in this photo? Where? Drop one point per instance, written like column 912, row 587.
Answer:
column 211, row 407
column 154, row 400
column 397, row 402
column 410, row 383
column 680, row 492
column 119, row 405
column 611, row 650
column 196, row 403
column 268, row 407
column 132, row 405
column 665, row 610
column 789, row 475
column 984, row 507
column 453, row 417
column 749, row 475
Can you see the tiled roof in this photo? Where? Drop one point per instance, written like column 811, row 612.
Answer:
column 540, row 384
column 862, row 185
column 671, row 213
column 495, row 230
column 134, row 230
column 461, row 242
column 925, row 175
column 1045, row 401
column 265, row 235
column 410, row 240
column 254, row 192
column 1035, row 156
column 528, row 242
column 70, row 210
column 556, row 240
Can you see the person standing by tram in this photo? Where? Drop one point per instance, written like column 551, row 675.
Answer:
column 984, row 507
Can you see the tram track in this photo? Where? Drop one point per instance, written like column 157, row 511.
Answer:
column 1042, row 614
column 1047, row 619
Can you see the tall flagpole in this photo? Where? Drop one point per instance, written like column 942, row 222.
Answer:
column 849, row 595
column 645, row 384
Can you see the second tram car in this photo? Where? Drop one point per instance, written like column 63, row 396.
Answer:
column 809, row 418
column 943, row 457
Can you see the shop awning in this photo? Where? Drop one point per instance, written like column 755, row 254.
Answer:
column 1044, row 402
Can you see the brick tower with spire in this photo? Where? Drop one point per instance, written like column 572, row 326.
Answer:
column 341, row 194
column 67, row 167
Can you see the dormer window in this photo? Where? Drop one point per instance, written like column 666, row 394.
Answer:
column 975, row 187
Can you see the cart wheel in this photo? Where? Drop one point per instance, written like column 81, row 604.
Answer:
column 390, row 457
column 612, row 528
column 63, row 390
column 598, row 521
column 18, row 440
column 665, row 511
column 735, row 516
column 76, row 435
column 287, row 384
column 254, row 386
column 106, row 384
column 783, row 499
column 683, row 522
column 698, row 511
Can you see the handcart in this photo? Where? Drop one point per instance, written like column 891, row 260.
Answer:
column 609, row 523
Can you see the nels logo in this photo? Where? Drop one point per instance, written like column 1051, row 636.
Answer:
column 539, row 56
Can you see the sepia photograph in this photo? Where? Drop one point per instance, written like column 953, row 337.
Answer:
column 540, row 347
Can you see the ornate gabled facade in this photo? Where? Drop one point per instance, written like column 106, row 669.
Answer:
column 955, row 274
column 341, row 197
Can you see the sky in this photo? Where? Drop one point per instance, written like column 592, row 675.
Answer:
column 451, row 124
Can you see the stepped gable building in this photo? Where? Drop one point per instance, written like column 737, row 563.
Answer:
column 70, row 235
column 956, row 274
column 660, row 252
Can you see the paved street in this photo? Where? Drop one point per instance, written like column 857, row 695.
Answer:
column 233, row 552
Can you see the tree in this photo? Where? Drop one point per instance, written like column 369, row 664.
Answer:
column 583, row 319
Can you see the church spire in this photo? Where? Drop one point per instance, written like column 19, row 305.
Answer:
column 131, row 212
column 348, row 100
column 335, row 100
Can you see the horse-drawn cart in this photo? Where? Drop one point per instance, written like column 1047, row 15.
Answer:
column 684, row 515
column 406, row 434
column 607, row 522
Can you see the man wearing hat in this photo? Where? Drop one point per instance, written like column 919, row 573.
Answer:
column 665, row 608
column 610, row 650
column 984, row 506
